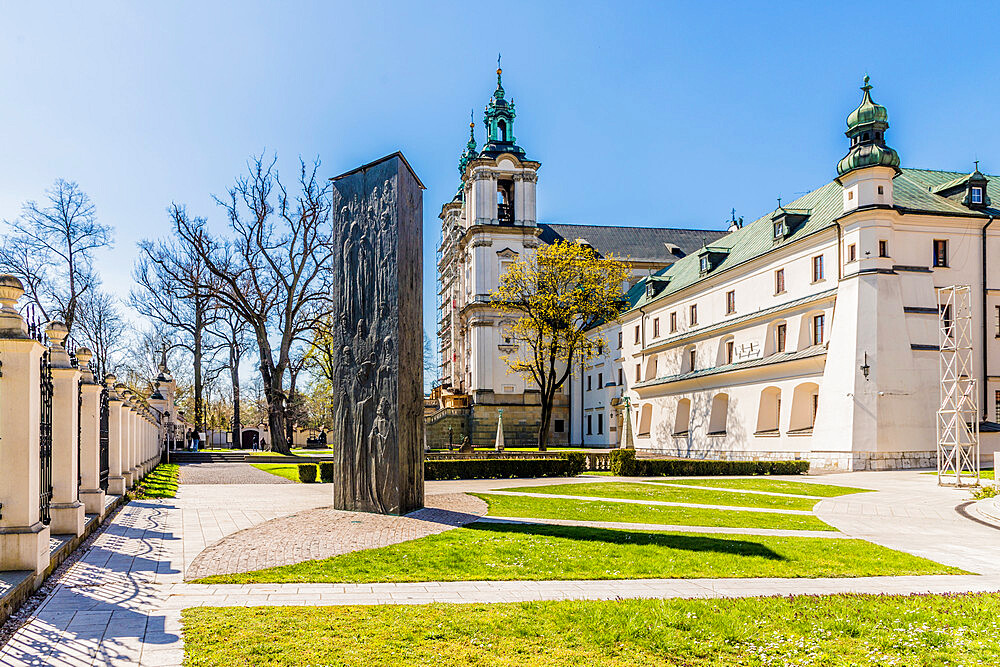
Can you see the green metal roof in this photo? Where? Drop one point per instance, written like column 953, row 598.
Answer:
column 912, row 192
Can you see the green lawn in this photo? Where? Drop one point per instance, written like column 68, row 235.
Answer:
column 286, row 470
column 596, row 510
column 984, row 474
column 161, row 482
column 924, row 631
column 633, row 491
column 775, row 485
column 486, row 551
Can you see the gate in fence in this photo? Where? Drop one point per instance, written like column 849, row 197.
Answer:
column 104, row 440
column 45, row 439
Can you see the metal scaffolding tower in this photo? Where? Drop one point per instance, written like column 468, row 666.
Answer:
column 958, row 416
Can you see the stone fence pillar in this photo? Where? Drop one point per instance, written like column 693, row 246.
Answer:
column 91, row 493
column 66, row 508
column 24, row 539
column 126, row 418
column 117, row 484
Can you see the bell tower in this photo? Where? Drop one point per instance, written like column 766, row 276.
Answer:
column 500, row 180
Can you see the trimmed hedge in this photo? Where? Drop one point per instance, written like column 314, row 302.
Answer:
column 307, row 473
column 624, row 462
column 573, row 464
column 326, row 471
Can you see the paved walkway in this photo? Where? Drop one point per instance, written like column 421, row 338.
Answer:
column 119, row 604
column 227, row 473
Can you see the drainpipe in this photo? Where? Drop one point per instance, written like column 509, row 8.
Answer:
column 986, row 383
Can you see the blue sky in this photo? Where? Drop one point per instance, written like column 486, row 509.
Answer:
column 641, row 113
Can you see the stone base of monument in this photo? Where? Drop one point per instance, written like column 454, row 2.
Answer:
column 377, row 299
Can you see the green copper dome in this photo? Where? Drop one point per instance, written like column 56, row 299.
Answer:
column 866, row 128
column 868, row 156
column 867, row 111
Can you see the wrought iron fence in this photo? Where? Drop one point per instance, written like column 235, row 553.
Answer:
column 45, row 439
column 79, row 434
column 105, row 464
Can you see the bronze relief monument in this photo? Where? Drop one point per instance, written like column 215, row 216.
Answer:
column 377, row 299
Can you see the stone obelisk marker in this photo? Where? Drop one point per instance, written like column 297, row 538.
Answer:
column 377, row 306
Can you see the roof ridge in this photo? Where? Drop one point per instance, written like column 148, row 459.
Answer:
column 675, row 229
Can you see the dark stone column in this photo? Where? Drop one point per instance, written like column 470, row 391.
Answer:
column 377, row 300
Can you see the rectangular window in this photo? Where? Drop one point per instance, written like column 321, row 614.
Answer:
column 779, row 337
column 817, row 268
column 619, row 340
column 881, row 190
column 673, row 322
column 693, row 314
column 638, row 372
column 704, row 264
column 656, row 327
column 940, row 253
column 779, row 230
column 730, row 347
column 638, row 335
column 779, row 281
column 559, row 426
column 600, row 380
column 852, row 253
column 589, row 382
column 621, row 377
column 590, row 424
column 692, row 356
column 730, row 302
column 996, row 417
column 818, row 329
column 600, row 423
column 977, row 195
column 998, row 323
column 883, row 248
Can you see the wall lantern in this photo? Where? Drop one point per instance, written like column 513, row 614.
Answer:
column 865, row 368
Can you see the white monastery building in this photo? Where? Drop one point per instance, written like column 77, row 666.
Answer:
column 811, row 332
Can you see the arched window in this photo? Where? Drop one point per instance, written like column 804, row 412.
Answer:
column 777, row 338
column 502, row 130
column 719, row 416
column 812, row 329
column 769, row 412
column 727, row 351
column 689, row 359
column 650, row 368
column 645, row 420
column 805, row 402
column 682, row 419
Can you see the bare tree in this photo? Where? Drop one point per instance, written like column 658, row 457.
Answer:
column 51, row 250
column 172, row 291
column 102, row 328
column 270, row 271
column 231, row 333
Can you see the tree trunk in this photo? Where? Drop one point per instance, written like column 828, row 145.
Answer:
column 234, row 374
column 199, row 323
column 543, row 428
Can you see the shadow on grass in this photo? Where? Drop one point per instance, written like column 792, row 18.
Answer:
column 734, row 547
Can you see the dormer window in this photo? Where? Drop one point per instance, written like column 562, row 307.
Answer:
column 705, row 265
column 779, row 230
column 977, row 195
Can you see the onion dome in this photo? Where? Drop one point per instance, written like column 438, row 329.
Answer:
column 499, row 121
column 866, row 128
column 469, row 154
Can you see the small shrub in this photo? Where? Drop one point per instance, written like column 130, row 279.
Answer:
column 307, row 473
column 577, row 463
column 624, row 463
column 986, row 491
column 498, row 468
column 326, row 471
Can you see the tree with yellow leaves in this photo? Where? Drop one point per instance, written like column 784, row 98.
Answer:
column 554, row 298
